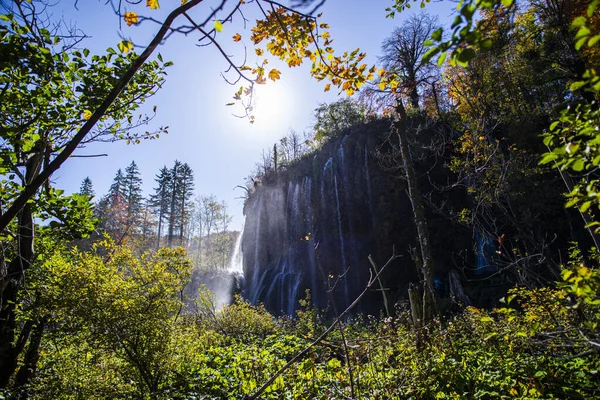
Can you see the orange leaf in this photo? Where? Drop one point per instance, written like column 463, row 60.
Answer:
column 153, row 4
column 327, row 87
column 259, row 52
column 131, row 18
column 274, row 74
column 237, row 37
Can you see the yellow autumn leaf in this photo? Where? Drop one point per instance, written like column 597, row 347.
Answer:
column 259, row 52
column 183, row 2
column 125, row 46
column 237, row 37
column 87, row 114
column 131, row 18
column 153, row 4
column 274, row 74
column 327, row 87
column 218, row 26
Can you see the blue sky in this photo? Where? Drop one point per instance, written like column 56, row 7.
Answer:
column 220, row 148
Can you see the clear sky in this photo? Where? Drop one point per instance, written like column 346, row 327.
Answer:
column 220, row 148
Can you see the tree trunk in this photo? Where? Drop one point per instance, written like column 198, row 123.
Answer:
column 414, row 98
column 416, row 305
column 414, row 194
column 27, row 371
column 172, row 212
column 160, row 219
column 15, row 273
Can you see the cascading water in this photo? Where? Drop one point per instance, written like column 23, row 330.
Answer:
column 312, row 226
column 236, row 266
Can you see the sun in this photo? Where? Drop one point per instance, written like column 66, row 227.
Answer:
column 270, row 104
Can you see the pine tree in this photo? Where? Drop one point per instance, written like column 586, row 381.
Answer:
column 185, row 189
column 113, row 208
column 160, row 200
column 132, row 192
column 117, row 187
column 86, row 188
column 173, row 205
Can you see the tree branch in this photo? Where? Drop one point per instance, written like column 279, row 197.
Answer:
column 30, row 190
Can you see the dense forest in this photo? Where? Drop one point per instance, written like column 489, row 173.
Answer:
column 434, row 235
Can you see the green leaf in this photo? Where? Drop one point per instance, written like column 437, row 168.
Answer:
column 591, row 8
column 468, row 10
column 578, row 165
column 577, row 85
column 554, row 125
column 548, row 157
column 507, row 3
column 486, row 44
column 432, row 52
column 437, row 34
column 593, row 40
column 442, row 58
column 540, row 374
column 466, row 55
column 582, row 32
column 457, row 22
column 487, row 319
column 218, row 26
column 585, row 206
column 578, row 22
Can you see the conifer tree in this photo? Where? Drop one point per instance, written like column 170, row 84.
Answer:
column 185, row 191
column 113, row 208
column 160, row 200
column 117, row 187
column 132, row 192
column 174, row 203
column 86, row 188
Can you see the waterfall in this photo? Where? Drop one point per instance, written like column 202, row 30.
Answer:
column 255, row 285
column 236, row 266
column 342, row 247
column 314, row 225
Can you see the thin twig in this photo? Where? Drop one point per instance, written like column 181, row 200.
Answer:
column 301, row 354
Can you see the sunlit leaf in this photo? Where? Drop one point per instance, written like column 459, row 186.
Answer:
column 274, row 74
column 153, row 4
column 131, row 18
column 237, row 37
column 125, row 46
column 218, row 26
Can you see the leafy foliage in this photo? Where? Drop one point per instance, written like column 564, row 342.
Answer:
column 531, row 348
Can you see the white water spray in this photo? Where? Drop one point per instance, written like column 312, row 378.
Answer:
column 236, row 266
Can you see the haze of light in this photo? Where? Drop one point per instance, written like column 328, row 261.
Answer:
column 220, row 148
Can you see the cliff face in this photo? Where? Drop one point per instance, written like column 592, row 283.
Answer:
column 316, row 226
